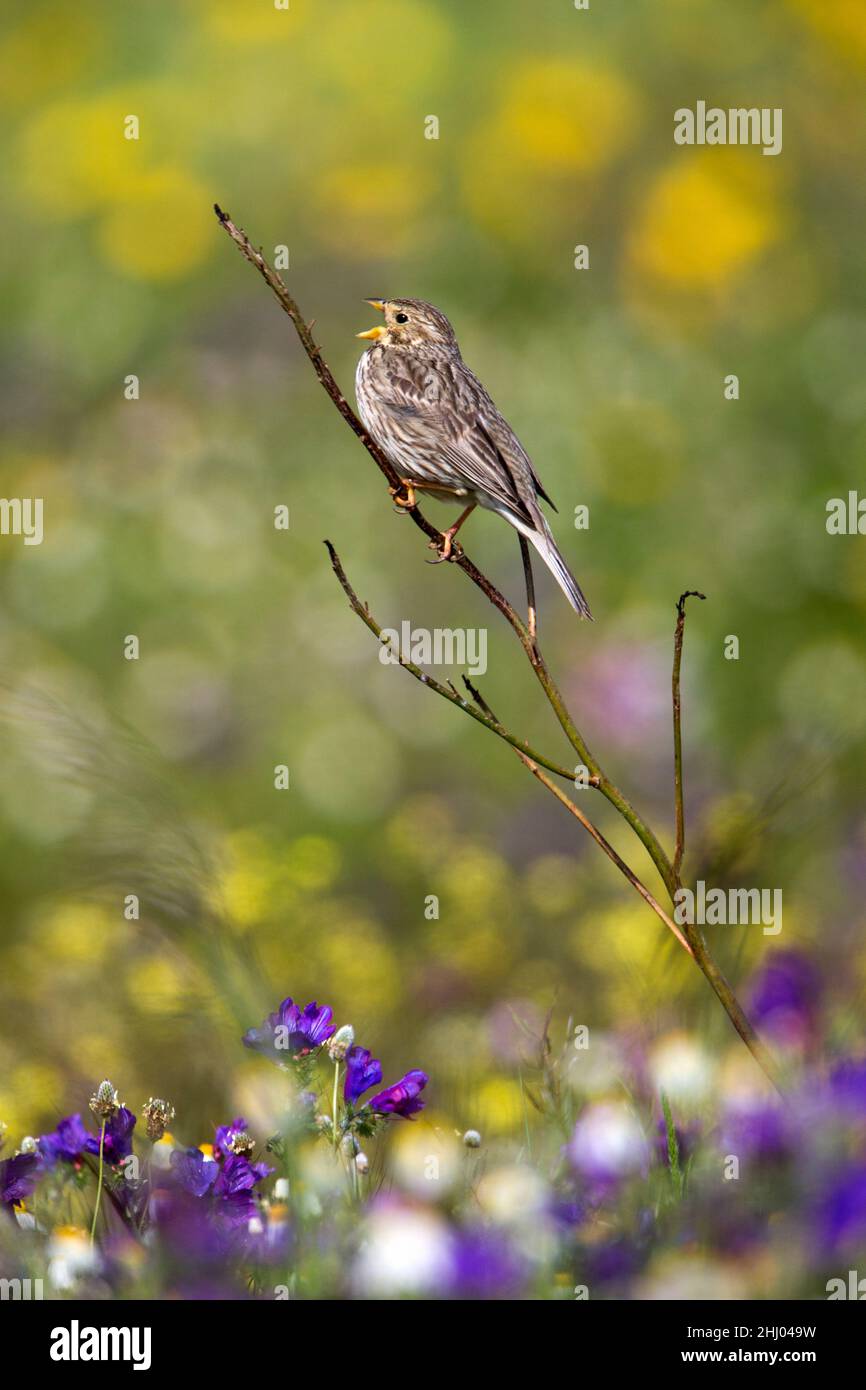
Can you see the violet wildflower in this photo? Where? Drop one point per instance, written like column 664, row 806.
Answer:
column 233, row 1139
column 785, row 999
column 66, row 1143
column 403, row 1097
column 193, row 1172
column 117, row 1143
column 362, row 1072
column 19, row 1176
column 291, row 1032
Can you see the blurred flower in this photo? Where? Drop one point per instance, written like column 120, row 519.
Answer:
column 19, row 1176
column 681, row 1068
column 291, row 1031
column 847, row 1087
column 757, row 1127
column 785, row 999
column 472, row 1139
column 608, row 1143
column 703, row 219
column 404, row 1251
column 485, row 1264
column 841, row 1212
column 70, row 1255
column 401, row 1098
column 362, row 1072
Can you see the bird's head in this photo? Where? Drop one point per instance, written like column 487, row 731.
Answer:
column 410, row 323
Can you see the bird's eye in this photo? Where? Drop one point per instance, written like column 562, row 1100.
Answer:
column 401, row 318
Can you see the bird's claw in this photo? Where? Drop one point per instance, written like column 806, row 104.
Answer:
column 447, row 548
column 403, row 501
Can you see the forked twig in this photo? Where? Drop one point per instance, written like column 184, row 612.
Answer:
column 525, row 632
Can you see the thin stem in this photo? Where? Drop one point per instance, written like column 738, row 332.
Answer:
column 458, row 556
column 679, row 634
column 99, row 1182
column 447, row 692
column 525, row 636
column 334, row 1106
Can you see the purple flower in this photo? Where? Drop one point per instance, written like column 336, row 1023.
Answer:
column 232, row 1139
column 485, row 1266
column 362, row 1072
column 65, row 1143
column 785, row 998
column 117, row 1144
column 193, row 1172
column 402, row 1097
column 842, row 1212
column 757, row 1128
column 19, row 1176
column 291, row 1032
column 608, row 1144
column 233, row 1189
column 848, row 1086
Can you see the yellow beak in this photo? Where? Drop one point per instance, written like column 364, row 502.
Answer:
column 374, row 333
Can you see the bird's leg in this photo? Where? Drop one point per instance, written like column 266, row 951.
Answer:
column 403, row 501
column 446, row 540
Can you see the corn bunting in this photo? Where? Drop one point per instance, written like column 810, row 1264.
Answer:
column 441, row 431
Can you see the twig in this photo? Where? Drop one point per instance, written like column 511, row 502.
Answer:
column 526, row 638
column 678, row 731
column 598, row 777
column 448, row 692
column 587, row 824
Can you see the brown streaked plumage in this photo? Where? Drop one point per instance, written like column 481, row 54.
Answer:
column 440, row 429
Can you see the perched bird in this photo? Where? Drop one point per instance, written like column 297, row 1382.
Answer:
column 439, row 428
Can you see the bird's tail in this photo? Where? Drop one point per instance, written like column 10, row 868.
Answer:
column 547, row 549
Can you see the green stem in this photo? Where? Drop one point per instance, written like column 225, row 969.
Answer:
column 334, row 1107
column 99, row 1182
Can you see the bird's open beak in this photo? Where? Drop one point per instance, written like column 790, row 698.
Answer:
column 377, row 332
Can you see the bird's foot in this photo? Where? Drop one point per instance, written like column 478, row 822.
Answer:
column 446, row 548
column 403, row 501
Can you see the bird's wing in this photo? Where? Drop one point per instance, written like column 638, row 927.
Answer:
column 450, row 412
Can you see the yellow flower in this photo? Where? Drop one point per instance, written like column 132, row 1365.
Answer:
column 704, row 219
column 163, row 227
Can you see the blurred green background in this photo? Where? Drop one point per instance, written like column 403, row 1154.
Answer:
column 155, row 776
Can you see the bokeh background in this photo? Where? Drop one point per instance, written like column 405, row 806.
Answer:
column 155, row 776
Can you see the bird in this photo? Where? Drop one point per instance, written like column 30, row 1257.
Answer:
column 439, row 428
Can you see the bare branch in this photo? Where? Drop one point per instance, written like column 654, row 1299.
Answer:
column 448, row 691
column 527, row 759
column 525, row 633
column 458, row 557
